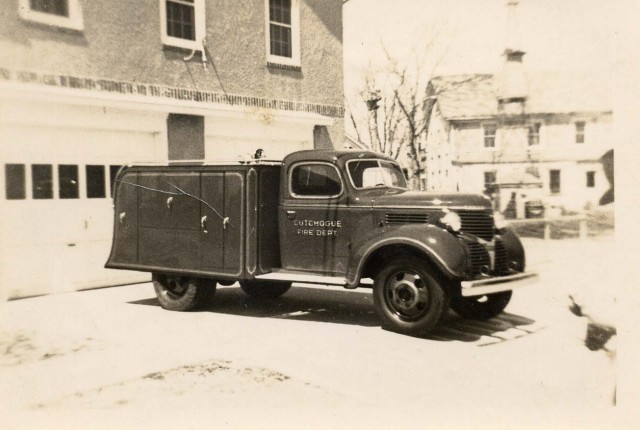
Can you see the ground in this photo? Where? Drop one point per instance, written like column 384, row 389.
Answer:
column 316, row 357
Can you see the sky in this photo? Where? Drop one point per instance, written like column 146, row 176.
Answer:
column 555, row 34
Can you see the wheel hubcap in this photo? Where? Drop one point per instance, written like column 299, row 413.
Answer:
column 176, row 287
column 406, row 294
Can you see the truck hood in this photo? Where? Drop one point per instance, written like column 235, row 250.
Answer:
column 429, row 199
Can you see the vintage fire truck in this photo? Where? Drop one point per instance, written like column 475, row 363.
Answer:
column 321, row 217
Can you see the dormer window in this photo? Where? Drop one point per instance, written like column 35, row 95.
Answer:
column 57, row 13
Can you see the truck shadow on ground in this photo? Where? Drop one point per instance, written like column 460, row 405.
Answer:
column 357, row 308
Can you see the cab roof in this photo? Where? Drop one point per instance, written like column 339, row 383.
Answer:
column 331, row 155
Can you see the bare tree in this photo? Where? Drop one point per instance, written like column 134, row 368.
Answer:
column 398, row 122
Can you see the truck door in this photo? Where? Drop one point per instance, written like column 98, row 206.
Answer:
column 312, row 219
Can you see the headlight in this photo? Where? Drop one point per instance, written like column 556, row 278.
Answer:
column 499, row 221
column 452, row 221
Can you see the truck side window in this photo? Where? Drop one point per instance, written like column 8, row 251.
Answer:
column 321, row 180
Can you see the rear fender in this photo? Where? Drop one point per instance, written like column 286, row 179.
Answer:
column 439, row 246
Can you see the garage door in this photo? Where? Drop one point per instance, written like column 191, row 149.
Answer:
column 56, row 195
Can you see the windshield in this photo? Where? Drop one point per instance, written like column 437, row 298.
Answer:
column 375, row 174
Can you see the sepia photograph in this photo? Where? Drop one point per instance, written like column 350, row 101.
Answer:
column 350, row 214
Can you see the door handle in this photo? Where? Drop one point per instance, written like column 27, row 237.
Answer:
column 203, row 223
column 291, row 214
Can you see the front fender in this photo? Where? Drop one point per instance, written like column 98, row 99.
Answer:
column 513, row 246
column 444, row 249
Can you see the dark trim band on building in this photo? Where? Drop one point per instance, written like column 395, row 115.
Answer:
column 176, row 93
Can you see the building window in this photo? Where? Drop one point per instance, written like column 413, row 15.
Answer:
column 68, row 181
column 58, row 13
column 14, row 181
column 554, row 181
column 534, row 134
column 42, row 181
column 490, row 135
column 283, row 30
column 183, row 23
column 56, row 7
column 489, row 180
column 591, row 179
column 95, row 182
column 580, row 127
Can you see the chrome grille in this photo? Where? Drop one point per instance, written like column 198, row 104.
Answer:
column 501, row 265
column 480, row 259
column 403, row 218
column 477, row 222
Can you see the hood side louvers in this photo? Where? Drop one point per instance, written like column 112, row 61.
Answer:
column 407, row 218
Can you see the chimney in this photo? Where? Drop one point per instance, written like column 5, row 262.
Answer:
column 511, row 81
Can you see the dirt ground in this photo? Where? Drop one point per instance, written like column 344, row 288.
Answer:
column 316, row 357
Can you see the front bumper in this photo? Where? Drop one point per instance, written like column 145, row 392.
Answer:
column 480, row 287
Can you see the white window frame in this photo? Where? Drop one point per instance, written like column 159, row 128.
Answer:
column 484, row 178
column 199, row 21
column 73, row 22
column 537, row 135
column 495, row 137
column 295, row 36
column 583, row 133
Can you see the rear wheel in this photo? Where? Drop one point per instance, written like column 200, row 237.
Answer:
column 265, row 289
column 182, row 293
column 481, row 307
column 408, row 298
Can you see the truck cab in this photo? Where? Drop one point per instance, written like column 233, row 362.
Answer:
column 323, row 217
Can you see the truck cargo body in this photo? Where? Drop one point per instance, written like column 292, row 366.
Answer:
column 211, row 221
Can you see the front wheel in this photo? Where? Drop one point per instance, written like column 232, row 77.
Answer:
column 481, row 307
column 408, row 298
column 182, row 293
column 265, row 289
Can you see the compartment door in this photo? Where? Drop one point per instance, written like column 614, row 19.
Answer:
column 125, row 240
column 169, row 219
column 222, row 220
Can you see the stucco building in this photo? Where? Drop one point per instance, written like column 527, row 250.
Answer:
column 86, row 87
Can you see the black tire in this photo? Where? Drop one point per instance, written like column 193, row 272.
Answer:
column 182, row 293
column 481, row 307
column 409, row 298
column 265, row 289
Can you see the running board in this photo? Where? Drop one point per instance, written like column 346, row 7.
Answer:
column 303, row 277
